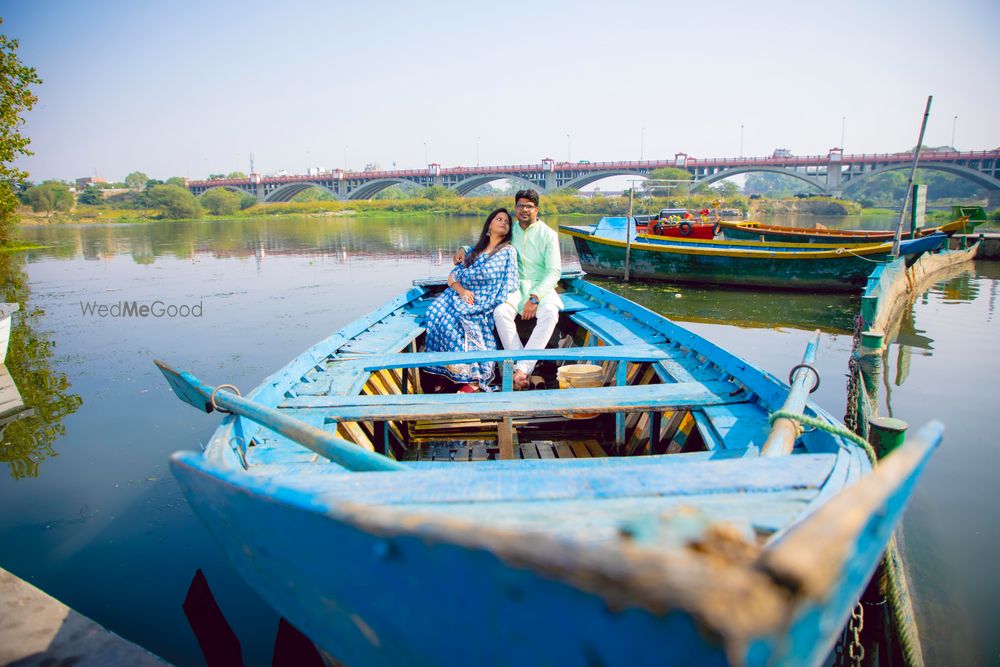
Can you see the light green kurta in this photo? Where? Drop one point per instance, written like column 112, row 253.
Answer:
column 539, row 264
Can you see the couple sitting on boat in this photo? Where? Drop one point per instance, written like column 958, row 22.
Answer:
column 510, row 272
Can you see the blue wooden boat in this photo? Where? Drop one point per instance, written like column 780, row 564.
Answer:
column 603, row 248
column 677, row 526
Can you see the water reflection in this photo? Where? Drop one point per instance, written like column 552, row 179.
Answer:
column 341, row 238
column 34, row 397
column 830, row 313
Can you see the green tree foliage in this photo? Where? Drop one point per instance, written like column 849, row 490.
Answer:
column 663, row 182
column 220, row 201
column 91, row 195
column 246, row 201
column 49, row 197
column 28, row 440
column 174, row 201
column 136, row 180
column 725, row 189
column 16, row 98
column 314, row 193
column 887, row 189
column 438, row 192
column 175, row 180
column 236, row 174
column 778, row 186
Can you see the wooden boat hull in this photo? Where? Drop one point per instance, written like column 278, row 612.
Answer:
column 756, row 231
column 680, row 558
column 727, row 265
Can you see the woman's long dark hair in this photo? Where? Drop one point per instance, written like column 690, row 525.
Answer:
column 484, row 237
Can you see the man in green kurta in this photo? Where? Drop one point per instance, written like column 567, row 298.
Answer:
column 539, row 266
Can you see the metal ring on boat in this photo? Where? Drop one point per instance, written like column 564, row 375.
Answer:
column 216, row 390
column 810, row 367
column 685, row 228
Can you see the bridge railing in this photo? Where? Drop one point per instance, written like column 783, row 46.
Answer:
column 688, row 162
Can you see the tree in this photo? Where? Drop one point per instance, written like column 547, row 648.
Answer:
column 667, row 181
column 16, row 98
column 436, row 192
column 775, row 185
column 90, row 195
column 176, row 180
column 220, row 201
column 726, row 188
column 236, row 174
column 50, row 196
column 136, row 180
column 174, row 201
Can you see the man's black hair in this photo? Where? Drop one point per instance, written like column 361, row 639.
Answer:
column 527, row 194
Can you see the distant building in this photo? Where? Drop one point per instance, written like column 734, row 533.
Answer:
column 81, row 183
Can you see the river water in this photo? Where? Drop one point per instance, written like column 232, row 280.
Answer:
column 91, row 514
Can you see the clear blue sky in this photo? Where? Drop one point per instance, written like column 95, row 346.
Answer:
column 191, row 88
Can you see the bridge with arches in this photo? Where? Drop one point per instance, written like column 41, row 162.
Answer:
column 835, row 173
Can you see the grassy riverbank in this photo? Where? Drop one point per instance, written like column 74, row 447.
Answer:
column 479, row 206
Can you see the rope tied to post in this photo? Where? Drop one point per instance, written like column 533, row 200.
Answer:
column 823, row 425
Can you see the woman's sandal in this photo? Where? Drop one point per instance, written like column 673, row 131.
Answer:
column 537, row 382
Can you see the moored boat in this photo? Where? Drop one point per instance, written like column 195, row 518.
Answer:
column 7, row 310
column 763, row 232
column 603, row 249
column 679, row 525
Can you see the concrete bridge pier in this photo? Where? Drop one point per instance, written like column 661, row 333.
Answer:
column 833, row 178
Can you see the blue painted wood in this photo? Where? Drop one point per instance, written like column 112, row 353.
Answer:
column 340, row 451
column 500, row 404
column 636, row 352
column 455, row 484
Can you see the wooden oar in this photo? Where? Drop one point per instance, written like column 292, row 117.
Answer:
column 194, row 392
column 804, row 379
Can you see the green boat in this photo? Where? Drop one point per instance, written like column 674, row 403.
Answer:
column 602, row 249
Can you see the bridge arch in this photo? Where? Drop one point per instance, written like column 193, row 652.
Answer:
column 232, row 188
column 286, row 192
column 584, row 181
column 734, row 171
column 372, row 188
column 977, row 177
column 463, row 188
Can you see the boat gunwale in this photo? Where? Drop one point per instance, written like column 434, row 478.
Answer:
column 725, row 249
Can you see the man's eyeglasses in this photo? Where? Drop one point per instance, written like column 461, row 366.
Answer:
column 526, row 207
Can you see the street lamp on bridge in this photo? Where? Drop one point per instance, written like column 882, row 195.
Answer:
column 954, row 121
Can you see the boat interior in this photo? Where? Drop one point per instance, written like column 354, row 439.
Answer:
column 656, row 394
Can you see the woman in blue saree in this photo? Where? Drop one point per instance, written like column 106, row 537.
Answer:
column 461, row 319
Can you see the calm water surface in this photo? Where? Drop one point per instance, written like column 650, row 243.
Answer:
column 91, row 514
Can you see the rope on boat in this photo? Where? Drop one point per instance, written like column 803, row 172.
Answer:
column 824, row 425
column 894, row 586
column 892, row 582
column 841, row 251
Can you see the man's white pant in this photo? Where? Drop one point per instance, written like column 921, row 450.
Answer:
column 546, row 318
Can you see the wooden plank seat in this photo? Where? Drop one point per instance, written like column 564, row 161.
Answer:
column 347, row 374
column 502, row 404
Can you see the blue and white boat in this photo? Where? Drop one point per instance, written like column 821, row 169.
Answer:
column 689, row 522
